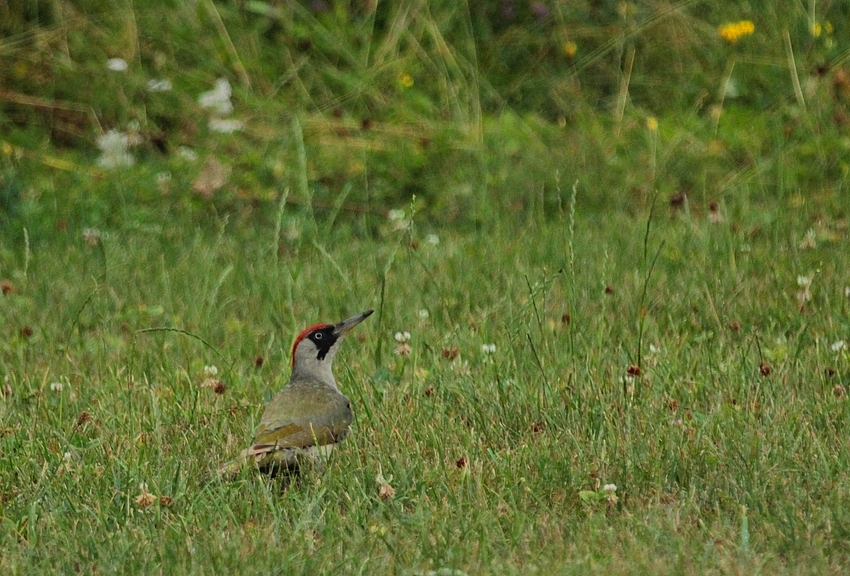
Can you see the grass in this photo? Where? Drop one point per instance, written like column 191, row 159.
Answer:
column 497, row 460
column 672, row 324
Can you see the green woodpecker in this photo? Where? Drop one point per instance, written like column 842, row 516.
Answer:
column 309, row 416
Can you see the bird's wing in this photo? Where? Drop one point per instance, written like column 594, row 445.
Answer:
column 303, row 416
column 293, row 436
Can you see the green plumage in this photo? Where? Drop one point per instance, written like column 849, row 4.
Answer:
column 303, row 416
column 305, row 413
column 309, row 416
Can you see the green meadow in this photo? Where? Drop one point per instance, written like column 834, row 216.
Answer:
column 607, row 245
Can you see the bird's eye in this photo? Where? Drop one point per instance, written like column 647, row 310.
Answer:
column 318, row 335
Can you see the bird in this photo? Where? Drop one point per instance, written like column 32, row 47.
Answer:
column 309, row 416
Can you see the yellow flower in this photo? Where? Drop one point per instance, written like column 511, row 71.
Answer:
column 570, row 49
column 816, row 29
column 734, row 31
column 405, row 79
column 652, row 123
column 828, row 27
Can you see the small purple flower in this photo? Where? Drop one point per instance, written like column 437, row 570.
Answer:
column 539, row 9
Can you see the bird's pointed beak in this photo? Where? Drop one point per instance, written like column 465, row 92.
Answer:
column 343, row 327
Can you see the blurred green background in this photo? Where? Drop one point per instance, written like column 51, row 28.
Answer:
column 477, row 109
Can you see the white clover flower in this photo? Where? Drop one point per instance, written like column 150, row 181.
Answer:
column 424, row 314
column 432, row 239
column 159, row 85
column 187, row 153
column 225, row 126
column 610, row 491
column 210, row 371
column 809, row 240
column 847, row 291
column 117, row 64
column 403, row 348
column 461, row 367
column 804, row 295
column 56, row 386
column 67, row 463
column 488, row 348
column 838, row 346
column 218, row 99
column 114, row 145
column 397, row 217
column 92, row 236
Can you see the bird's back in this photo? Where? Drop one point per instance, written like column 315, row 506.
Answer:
column 305, row 413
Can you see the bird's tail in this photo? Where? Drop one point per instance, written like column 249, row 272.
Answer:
column 264, row 458
column 230, row 470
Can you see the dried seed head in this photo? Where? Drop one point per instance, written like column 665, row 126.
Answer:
column 634, row 370
column 385, row 491
column 145, row 500
column 764, row 369
column 678, row 199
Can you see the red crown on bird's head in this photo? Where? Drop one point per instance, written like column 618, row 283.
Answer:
column 304, row 333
